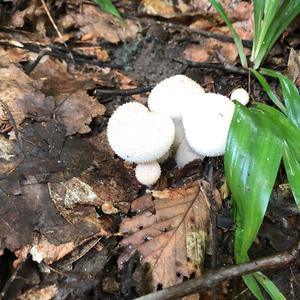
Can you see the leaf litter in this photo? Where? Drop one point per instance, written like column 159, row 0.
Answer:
column 66, row 201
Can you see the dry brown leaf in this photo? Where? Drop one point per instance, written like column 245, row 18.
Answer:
column 95, row 24
column 170, row 9
column 77, row 110
column 48, row 252
column 20, row 93
column 196, row 53
column 15, row 55
column 46, row 293
column 173, row 240
column 111, row 181
column 294, row 66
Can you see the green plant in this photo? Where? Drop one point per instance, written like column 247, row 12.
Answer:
column 109, row 7
column 271, row 18
column 259, row 138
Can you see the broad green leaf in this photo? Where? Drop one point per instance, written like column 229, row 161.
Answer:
column 252, row 158
column 292, row 167
column 109, row 7
column 269, row 286
column 290, row 95
column 268, row 90
column 239, row 45
column 283, row 127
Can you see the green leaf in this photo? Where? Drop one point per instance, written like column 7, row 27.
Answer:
column 109, row 7
column 239, row 45
column 272, row 26
column 269, row 286
column 290, row 95
column 292, row 167
column 283, row 127
column 268, row 90
column 251, row 283
column 252, row 158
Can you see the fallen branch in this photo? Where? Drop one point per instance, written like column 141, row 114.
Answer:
column 209, row 34
column 212, row 278
column 125, row 92
column 219, row 66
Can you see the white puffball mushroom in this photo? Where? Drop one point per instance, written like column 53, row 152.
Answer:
column 185, row 154
column 139, row 136
column 206, row 124
column 179, row 132
column 173, row 94
column 148, row 173
column 241, row 95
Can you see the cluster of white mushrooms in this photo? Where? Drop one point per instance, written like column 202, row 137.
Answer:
column 181, row 118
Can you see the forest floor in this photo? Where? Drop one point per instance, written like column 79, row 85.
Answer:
column 74, row 221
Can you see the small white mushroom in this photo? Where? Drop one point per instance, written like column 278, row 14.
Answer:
column 148, row 173
column 240, row 95
column 185, row 154
column 139, row 136
column 206, row 124
column 173, row 94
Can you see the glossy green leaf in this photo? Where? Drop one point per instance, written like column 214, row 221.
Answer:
column 268, row 90
column 290, row 95
column 283, row 127
column 269, row 286
column 251, row 283
column 239, row 45
column 277, row 15
column 109, row 7
column 252, row 158
column 292, row 168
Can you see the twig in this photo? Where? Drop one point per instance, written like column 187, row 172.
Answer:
column 206, row 65
column 209, row 34
column 125, row 92
column 58, row 52
column 212, row 278
column 55, row 27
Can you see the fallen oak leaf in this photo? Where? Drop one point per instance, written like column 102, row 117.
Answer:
column 173, row 240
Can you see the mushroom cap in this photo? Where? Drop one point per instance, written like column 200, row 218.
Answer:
column 173, row 94
column 139, row 136
column 185, row 154
column 241, row 95
column 206, row 124
column 148, row 173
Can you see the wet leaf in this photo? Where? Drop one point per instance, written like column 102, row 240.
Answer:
column 173, row 240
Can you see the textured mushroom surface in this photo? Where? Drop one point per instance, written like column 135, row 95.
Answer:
column 241, row 95
column 206, row 124
column 139, row 136
column 172, row 95
column 148, row 173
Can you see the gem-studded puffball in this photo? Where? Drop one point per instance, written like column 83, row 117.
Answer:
column 241, row 95
column 206, row 124
column 173, row 94
column 139, row 136
column 148, row 173
column 185, row 154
